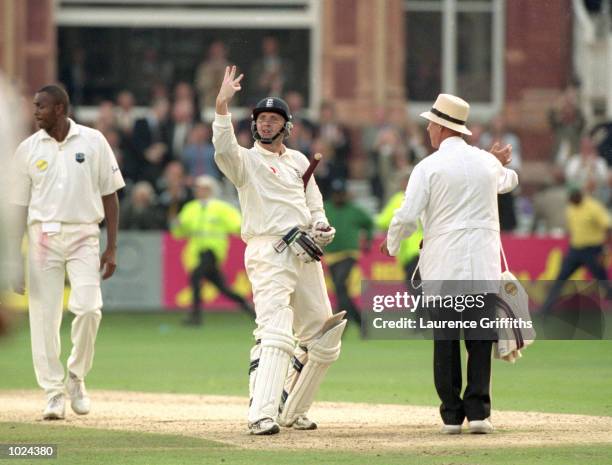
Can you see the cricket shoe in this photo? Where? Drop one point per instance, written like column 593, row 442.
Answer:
column 55, row 409
column 265, row 426
column 451, row 429
column 481, row 426
column 303, row 423
column 79, row 400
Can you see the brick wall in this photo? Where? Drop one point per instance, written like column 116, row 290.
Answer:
column 538, row 60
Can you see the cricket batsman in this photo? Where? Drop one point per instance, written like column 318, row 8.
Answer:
column 284, row 226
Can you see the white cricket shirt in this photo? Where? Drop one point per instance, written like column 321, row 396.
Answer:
column 270, row 187
column 64, row 181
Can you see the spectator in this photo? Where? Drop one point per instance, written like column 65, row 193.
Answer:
column 199, row 153
column 391, row 156
column 152, row 72
column 141, row 211
column 159, row 91
column 124, row 112
column 210, row 73
column 567, row 123
column 549, row 205
column 334, row 133
column 329, row 167
column 417, row 146
column 588, row 171
column 174, row 193
column 105, row 120
column 180, row 126
column 272, row 71
column 301, row 137
column 295, row 100
column 369, row 134
column 183, row 91
column 150, row 141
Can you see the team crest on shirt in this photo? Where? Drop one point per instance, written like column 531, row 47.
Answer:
column 79, row 157
column 42, row 165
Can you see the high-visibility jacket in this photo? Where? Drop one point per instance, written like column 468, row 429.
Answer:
column 206, row 226
column 409, row 248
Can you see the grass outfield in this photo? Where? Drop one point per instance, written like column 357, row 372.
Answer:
column 154, row 353
column 127, row 448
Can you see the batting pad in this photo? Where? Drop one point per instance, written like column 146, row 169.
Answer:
column 266, row 381
column 307, row 374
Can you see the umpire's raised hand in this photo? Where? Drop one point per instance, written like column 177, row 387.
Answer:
column 229, row 86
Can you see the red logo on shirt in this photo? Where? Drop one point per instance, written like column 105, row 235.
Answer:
column 273, row 170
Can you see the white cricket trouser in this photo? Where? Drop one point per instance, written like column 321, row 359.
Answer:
column 75, row 249
column 281, row 279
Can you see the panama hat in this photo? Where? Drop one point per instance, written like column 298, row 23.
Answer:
column 451, row 112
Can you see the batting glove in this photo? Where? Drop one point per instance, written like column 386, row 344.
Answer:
column 323, row 233
column 305, row 248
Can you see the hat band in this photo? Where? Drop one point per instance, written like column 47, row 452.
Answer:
column 439, row 114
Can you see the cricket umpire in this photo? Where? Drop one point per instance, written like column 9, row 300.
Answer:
column 283, row 225
column 65, row 183
column 454, row 193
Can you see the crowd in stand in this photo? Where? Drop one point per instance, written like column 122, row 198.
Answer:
column 162, row 152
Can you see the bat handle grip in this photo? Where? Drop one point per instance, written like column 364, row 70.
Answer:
column 310, row 170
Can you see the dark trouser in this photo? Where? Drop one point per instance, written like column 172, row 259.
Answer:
column 476, row 401
column 207, row 269
column 340, row 272
column 507, row 217
column 589, row 257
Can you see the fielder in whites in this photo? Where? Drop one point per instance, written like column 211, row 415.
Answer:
column 284, row 226
column 64, row 184
column 453, row 192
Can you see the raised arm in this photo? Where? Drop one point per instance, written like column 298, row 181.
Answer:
column 227, row 151
column 229, row 86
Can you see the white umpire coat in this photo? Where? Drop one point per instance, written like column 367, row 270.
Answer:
column 454, row 194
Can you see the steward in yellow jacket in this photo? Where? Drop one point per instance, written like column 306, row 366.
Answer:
column 206, row 223
column 589, row 227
